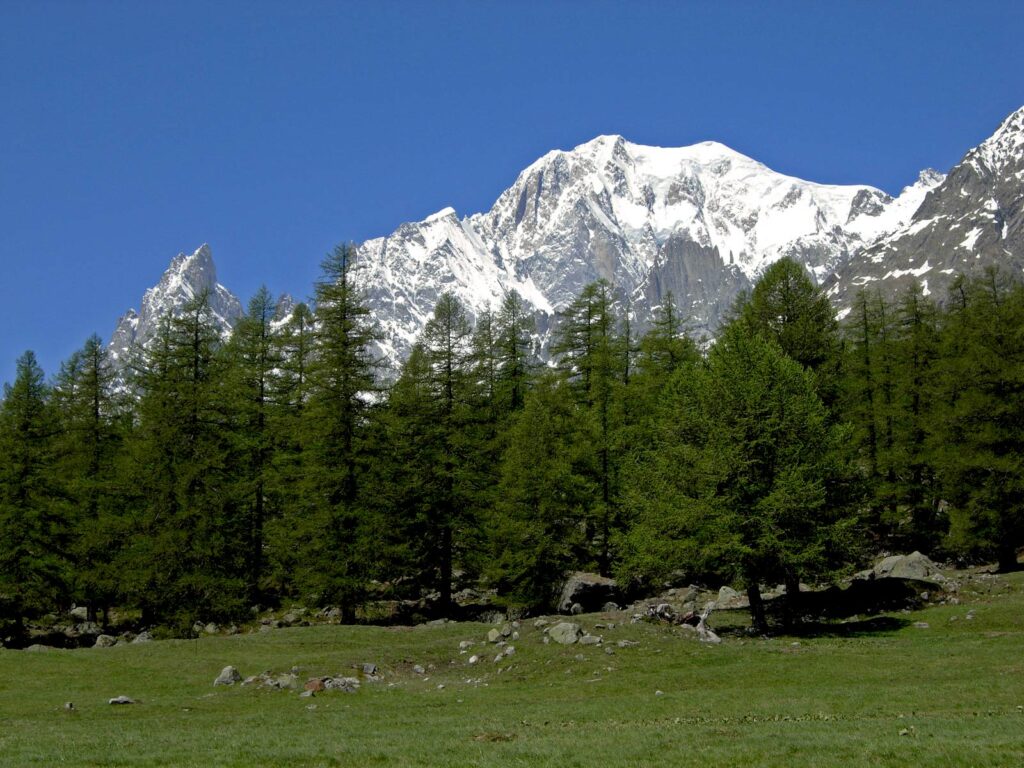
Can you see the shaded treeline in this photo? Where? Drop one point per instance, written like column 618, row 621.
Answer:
column 277, row 466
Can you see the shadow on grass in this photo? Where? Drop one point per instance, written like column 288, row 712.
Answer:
column 872, row 626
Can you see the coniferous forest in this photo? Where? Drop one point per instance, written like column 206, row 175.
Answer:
column 286, row 464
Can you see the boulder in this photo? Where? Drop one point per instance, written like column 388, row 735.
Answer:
column 590, row 640
column 288, row 680
column 493, row 635
column 915, row 566
column 228, row 676
column 105, row 641
column 588, row 590
column 729, row 599
column 211, row 629
column 565, row 633
column 79, row 613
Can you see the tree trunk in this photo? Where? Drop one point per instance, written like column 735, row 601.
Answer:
column 792, row 600
column 757, row 616
column 1007, row 557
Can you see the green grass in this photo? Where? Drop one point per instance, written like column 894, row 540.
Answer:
column 955, row 691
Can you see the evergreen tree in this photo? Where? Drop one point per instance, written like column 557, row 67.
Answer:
column 536, row 533
column 186, row 556
column 92, row 428
column 33, row 529
column 592, row 353
column 740, row 490
column 252, row 358
column 336, row 544
column 786, row 307
column 981, row 450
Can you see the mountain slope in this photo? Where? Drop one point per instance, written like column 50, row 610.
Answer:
column 972, row 220
column 700, row 221
column 185, row 278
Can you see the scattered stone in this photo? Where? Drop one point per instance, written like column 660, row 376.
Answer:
column 565, row 633
column 464, row 644
column 509, row 651
column 498, row 658
column 69, row 706
column 143, row 637
column 122, row 700
column 228, row 676
column 580, row 657
column 576, row 609
column 506, row 630
column 589, row 639
column 105, row 641
column 970, row 615
column 288, row 681
column 515, row 636
column 493, row 635
column 474, row 659
column 211, row 629
column 79, row 612
column 370, row 670
column 541, row 623
column 291, row 618
column 609, row 651
column 659, row 693
column 345, row 684
column 627, row 643
column 440, row 686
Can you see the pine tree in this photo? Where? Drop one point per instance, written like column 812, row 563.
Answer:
column 336, row 545
column 981, row 451
column 33, row 513
column 253, row 360
column 592, row 353
column 93, row 423
column 186, row 556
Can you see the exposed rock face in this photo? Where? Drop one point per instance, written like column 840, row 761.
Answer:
column 972, row 220
column 700, row 221
column 185, row 278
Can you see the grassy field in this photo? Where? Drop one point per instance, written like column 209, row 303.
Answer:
column 883, row 693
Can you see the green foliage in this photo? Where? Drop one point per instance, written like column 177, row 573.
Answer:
column 33, row 508
column 93, row 424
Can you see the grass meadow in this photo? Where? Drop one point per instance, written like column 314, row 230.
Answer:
column 879, row 692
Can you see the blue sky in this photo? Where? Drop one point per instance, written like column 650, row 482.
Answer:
column 132, row 131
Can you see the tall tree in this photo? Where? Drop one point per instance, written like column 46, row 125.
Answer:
column 253, row 359
column 33, row 529
column 981, row 450
column 92, row 428
column 186, row 556
column 341, row 376
column 592, row 353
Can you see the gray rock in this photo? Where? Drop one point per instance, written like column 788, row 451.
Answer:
column 565, row 633
column 914, row 566
column 291, row 618
column 105, row 641
column 610, row 607
column 590, row 640
column 122, row 700
column 228, row 676
column 493, row 635
column 79, row 613
column 369, row 669
column 287, row 681
column 344, row 684
column 211, row 629
column 589, row 590
column 417, row 669
column 307, row 694
column 143, row 637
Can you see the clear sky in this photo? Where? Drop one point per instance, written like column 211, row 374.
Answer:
column 130, row 131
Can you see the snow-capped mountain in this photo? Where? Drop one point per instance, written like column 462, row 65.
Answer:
column 701, row 221
column 973, row 219
column 185, row 278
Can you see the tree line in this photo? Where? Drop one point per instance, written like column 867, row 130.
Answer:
column 282, row 464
